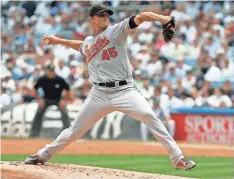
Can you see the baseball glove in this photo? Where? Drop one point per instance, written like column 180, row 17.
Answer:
column 168, row 30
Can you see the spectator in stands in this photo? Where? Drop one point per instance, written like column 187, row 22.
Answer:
column 196, row 97
column 175, row 50
column 171, row 75
column 189, row 81
column 188, row 29
column 138, row 78
column 17, row 94
column 154, row 67
column 194, row 50
column 188, row 102
column 227, row 71
column 163, row 97
column 30, row 8
column 146, row 37
column 35, row 75
column 134, row 46
column 143, row 56
column 214, row 72
column 228, row 89
column 52, row 86
column 174, row 102
column 212, row 46
column 219, row 99
column 147, row 89
column 178, row 13
column 8, row 83
column 182, row 68
column 48, row 54
column 204, row 93
column 5, row 99
column 62, row 70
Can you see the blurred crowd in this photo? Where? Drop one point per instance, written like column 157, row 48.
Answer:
column 196, row 69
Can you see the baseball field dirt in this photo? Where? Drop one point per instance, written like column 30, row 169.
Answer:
column 13, row 170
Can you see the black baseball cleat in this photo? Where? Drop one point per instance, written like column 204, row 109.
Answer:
column 34, row 160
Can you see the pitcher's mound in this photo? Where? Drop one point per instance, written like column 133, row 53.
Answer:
column 15, row 170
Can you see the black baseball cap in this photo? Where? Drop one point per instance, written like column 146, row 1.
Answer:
column 49, row 67
column 97, row 9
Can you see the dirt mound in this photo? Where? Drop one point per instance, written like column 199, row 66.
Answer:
column 15, row 170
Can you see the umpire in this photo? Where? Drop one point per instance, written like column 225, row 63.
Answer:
column 53, row 86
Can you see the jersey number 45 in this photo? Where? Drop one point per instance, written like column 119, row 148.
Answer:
column 110, row 52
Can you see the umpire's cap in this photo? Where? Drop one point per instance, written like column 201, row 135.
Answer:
column 49, row 67
column 97, row 9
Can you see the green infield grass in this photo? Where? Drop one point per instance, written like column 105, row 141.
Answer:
column 207, row 167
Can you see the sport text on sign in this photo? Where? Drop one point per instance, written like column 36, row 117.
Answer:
column 202, row 128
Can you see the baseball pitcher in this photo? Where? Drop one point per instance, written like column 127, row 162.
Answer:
column 113, row 86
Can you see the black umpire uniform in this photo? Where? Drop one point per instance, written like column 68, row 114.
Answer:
column 53, row 86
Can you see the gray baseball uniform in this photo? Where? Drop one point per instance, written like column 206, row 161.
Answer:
column 108, row 61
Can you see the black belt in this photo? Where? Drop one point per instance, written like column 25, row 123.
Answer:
column 112, row 84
